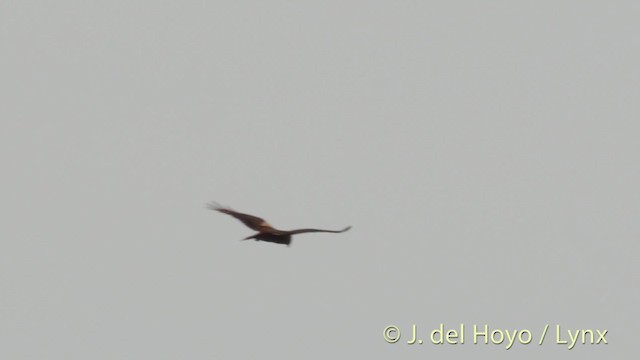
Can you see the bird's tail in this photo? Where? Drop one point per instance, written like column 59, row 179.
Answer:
column 251, row 237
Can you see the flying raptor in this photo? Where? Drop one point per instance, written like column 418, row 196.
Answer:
column 266, row 232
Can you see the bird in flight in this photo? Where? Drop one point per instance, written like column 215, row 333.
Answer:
column 266, row 232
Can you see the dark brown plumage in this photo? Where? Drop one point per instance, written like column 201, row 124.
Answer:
column 266, row 232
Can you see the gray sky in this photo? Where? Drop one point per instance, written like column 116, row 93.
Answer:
column 486, row 155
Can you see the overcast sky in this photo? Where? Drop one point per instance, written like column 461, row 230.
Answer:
column 485, row 153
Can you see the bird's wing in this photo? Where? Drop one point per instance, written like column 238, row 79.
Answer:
column 251, row 221
column 302, row 231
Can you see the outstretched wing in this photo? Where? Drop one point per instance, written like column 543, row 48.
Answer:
column 302, row 231
column 251, row 221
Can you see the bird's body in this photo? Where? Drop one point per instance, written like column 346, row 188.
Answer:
column 266, row 232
